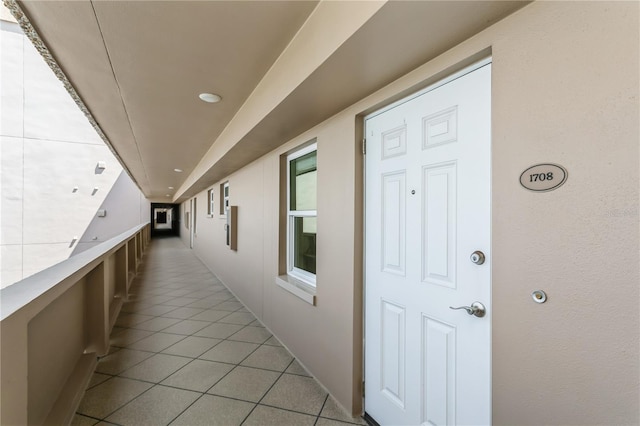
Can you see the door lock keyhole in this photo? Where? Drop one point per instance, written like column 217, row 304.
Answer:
column 477, row 257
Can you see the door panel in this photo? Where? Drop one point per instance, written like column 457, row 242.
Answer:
column 394, row 142
column 439, row 349
column 393, row 222
column 393, row 369
column 427, row 209
column 439, row 227
column 440, row 128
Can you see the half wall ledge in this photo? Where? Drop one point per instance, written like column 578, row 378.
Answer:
column 55, row 324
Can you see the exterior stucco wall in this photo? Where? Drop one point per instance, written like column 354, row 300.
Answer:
column 570, row 97
column 51, row 188
column 125, row 208
column 565, row 90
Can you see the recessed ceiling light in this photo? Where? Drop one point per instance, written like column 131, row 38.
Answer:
column 210, row 97
column 177, row 170
column 171, row 187
column 167, row 195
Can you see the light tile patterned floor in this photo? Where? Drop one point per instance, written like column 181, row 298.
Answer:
column 185, row 351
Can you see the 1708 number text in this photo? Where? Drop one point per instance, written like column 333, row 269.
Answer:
column 540, row 177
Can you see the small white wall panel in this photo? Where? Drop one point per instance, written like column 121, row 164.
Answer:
column 12, row 82
column 394, row 142
column 11, row 189
column 440, row 128
column 393, row 366
column 439, row 228
column 439, row 359
column 393, row 222
column 49, row 112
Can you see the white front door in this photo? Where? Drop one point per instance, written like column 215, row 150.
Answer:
column 428, row 194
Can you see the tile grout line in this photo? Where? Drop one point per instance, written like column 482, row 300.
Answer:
column 276, row 381
column 321, row 408
column 266, row 393
column 183, row 411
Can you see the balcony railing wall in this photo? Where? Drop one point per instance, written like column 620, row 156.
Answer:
column 55, row 324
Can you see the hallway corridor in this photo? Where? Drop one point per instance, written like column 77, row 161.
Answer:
column 185, row 351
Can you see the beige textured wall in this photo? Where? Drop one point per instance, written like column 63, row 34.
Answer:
column 321, row 336
column 50, row 369
column 571, row 97
column 565, row 90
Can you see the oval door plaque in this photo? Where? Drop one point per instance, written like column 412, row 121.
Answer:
column 543, row 177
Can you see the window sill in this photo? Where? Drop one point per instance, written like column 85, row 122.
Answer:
column 297, row 288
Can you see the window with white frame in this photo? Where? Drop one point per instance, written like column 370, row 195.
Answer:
column 302, row 183
column 224, row 198
column 210, row 197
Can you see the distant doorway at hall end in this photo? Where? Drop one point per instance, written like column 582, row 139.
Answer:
column 165, row 220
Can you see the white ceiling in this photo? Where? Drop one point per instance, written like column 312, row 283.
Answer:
column 139, row 67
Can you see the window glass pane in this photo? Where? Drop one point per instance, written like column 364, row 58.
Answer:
column 304, row 243
column 225, row 200
column 303, row 181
